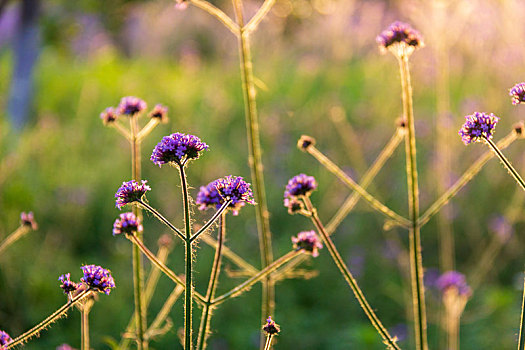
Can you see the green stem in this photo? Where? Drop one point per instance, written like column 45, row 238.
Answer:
column 506, row 163
column 85, row 328
column 338, row 260
column 49, row 320
column 212, row 220
column 217, row 13
column 521, row 341
column 162, row 219
column 13, row 237
column 212, row 286
column 416, row 260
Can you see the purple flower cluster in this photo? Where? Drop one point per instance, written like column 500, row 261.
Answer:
column 517, row 92
column 128, row 224
column 307, row 241
column 453, row 280
column 28, row 219
column 159, row 112
column 5, row 339
column 67, row 285
column 177, row 148
column 130, row 192
column 399, row 33
column 109, row 115
column 300, row 185
column 271, row 328
column 131, row 105
column 65, row 347
column 477, row 127
column 232, row 188
column 98, row 278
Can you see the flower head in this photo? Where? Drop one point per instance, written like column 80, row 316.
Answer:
column 130, row 192
column 160, row 113
column 98, row 278
column 5, row 339
column 307, row 241
column 271, row 327
column 478, row 126
column 293, row 204
column 65, row 347
column 300, row 185
column 28, row 219
column 67, row 285
column 517, row 92
column 131, row 105
column 128, row 224
column 232, row 188
column 109, row 115
column 177, row 148
column 453, row 280
column 304, row 142
column 400, row 38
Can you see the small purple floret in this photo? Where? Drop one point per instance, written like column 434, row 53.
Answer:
column 271, row 327
column 399, row 33
column 65, row 347
column 293, row 204
column 109, row 115
column 453, row 280
column 130, row 192
column 478, row 127
column 67, row 285
column 307, row 241
column 131, row 105
column 98, row 278
column 517, row 92
column 5, row 339
column 127, row 224
column 177, row 148
column 300, row 185
column 28, row 219
column 159, row 112
column 232, row 188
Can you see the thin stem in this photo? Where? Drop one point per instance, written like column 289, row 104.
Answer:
column 217, row 13
column 162, row 219
column 49, row 320
column 259, row 16
column 121, row 130
column 338, row 260
column 416, row 260
column 212, row 286
column 472, row 171
column 13, row 237
column 153, row 122
column 246, row 285
column 374, row 203
column 85, row 328
column 233, row 257
column 506, row 163
column 521, row 341
column 210, row 222
column 268, row 344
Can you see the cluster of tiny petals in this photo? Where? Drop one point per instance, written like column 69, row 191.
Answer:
column 67, row 285
column 131, row 105
column 477, row 127
column 159, row 112
column 128, row 224
column 65, row 347
column 28, row 219
column 5, row 339
column 293, row 204
column 399, row 33
column 300, row 185
column 130, row 192
column 307, row 241
column 232, row 188
column 176, row 148
column 109, row 115
column 453, row 280
column 271, row 327
column 98, row 278
column 517, row 92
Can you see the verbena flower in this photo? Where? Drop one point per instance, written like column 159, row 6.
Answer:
column 517, row 92
column 232, row 188
column 130, row 192
column 271, row 327
column 67, row 285
column 28, row 219
column 98, row 278
column 131, row 105
column 159, row 112
column 399, row 36
column 478, row 126
column 453, row 280
column 5, row 339
column 109, row 115
column 128, row 224
column 300, row 185
column 293, row 204
column 307, row 241
column 177, row 148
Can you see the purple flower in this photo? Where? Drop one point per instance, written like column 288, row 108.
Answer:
column 478, row 126
column 271, row 327
column 517, row 92
column 159, row 112
column 128, row 224
column 28, row 219
column 232, row 188
column 300, row 185
column 98, row 278
column 399, row 34
column 130, row 192
column 307, row 241
column 453, row 280
column 5, row 339
column 65, row 347
column 131, row 105
column 109, row 115
column 67, row 285
column 177, row 148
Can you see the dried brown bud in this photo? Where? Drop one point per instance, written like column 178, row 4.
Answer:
column 304, row 142
column 519, row 128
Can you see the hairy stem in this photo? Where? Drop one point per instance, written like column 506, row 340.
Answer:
column 521, row 341
column 162, row 219
column 210, row 222
column 506, row 163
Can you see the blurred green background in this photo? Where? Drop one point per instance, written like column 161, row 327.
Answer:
column 320, row 73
